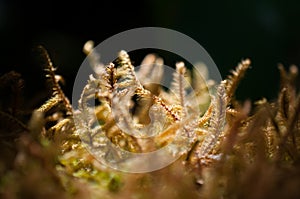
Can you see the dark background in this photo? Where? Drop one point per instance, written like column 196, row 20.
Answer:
column 266, row 31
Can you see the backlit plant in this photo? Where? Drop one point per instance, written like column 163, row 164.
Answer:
column 226, row 150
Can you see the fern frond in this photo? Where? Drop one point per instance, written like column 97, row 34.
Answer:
column 88, row 93
column 288, row 78
column 216, row 123
column 59, row 128
column 128, row 80
column 289, row 131
column 111, row 78
column 106, row 74
column 234, row 79
column 287, row 84
column 106, row 83
column 125, row 72
column 179, row 85
column 168, row 110
column 54, row 79
column 49, row 104
column 283, row 105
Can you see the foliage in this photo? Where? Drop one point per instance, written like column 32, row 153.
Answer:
column 255, row 155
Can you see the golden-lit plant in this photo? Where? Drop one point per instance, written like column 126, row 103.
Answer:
column 255, row 154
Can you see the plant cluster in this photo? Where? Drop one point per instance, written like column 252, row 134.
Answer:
column 228, row 149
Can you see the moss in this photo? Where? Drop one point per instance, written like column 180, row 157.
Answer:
column 256, row 155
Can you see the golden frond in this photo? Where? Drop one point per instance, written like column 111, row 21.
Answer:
column 54, row 80
column 216, row 123
column 53, row 101
column 111, row 78
column 234, row 79
column 179, row 83
column 125, row 72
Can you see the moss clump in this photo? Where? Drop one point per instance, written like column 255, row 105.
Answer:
column 256, row 155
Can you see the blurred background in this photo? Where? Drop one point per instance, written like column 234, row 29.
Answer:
column 266, row 31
